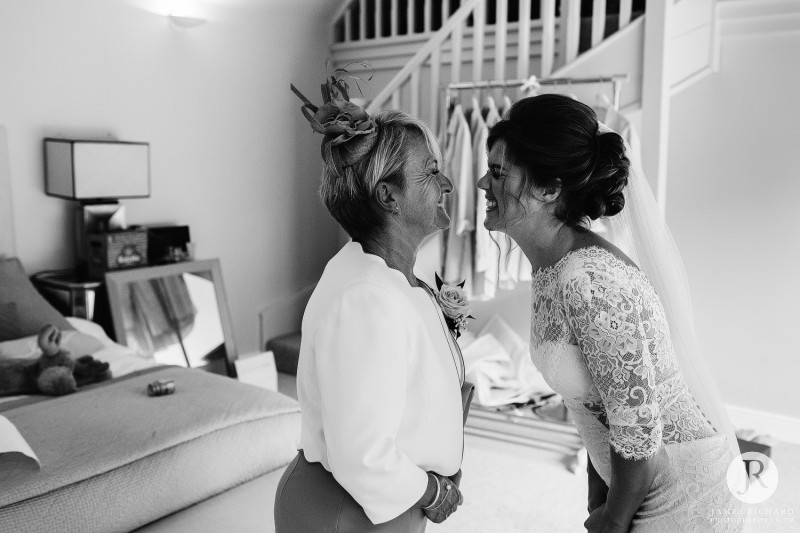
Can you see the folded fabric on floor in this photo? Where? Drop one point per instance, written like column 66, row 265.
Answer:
column 498, row 363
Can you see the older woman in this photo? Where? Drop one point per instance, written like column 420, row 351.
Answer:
column 612, row 332
column 379, row 375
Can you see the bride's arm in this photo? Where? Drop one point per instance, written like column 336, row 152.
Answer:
column 630, row 482
column 598, row 490
column 606, row 320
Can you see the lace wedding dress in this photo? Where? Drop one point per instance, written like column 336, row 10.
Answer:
column 601, row 340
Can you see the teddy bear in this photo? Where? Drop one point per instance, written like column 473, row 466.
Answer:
column 54, row 373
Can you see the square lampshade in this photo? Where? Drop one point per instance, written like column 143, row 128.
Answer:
column 94, row 170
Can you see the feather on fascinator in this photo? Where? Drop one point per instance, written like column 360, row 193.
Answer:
column 347, row 128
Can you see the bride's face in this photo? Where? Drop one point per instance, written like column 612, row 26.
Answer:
column 503, row 184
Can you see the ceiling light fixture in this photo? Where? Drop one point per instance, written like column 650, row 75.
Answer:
column 186, row 22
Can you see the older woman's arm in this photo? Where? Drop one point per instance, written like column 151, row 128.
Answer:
column 361, row 360
column 607, row 324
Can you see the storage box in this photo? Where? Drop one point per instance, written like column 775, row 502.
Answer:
column 750, row 446
column 167, row 244
column 116, row 249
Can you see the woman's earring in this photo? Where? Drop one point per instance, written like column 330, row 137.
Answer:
column 396, row 210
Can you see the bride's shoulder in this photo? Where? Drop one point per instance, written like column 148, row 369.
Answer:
column 591, row 265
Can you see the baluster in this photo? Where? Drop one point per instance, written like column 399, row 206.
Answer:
column 598, row 21
column 500, row 34
column 455, row 53
column 436, row 64
column 396, row 99
column 378, row 19
column 570, row 30
column 415, row 93
column 524, row 44
column 362, row 19
column 428, row 16
column 548, row 17
column 478, row 31
column 395, row 14
column 445, row 10
column 412, row 6
column 348, row 25
column 625, row 9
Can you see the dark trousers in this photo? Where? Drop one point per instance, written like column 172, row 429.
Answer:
column 309, row 500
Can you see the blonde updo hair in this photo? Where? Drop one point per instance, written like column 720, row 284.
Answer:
column 348, row 191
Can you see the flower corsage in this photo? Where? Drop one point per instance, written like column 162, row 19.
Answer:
column 455, row 305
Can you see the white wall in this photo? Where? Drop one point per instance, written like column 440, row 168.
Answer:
column 732, row 204
column 230, row 154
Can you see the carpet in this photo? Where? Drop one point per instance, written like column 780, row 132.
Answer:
column 510, row 488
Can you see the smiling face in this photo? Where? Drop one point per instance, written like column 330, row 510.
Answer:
column 424, row 196
column 503, row 184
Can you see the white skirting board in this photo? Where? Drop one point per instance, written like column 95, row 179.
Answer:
column 781, row 427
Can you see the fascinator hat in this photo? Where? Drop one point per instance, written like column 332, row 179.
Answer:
column 349, row 131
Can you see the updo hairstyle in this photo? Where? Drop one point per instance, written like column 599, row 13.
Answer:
column 348, row 191
column 554, row 138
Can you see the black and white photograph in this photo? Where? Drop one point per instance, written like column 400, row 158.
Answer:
column 397, row 266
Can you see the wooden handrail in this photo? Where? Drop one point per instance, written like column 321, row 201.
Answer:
column 343, row 7
column 436, row 40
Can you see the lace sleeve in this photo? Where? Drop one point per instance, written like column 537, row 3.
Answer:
column 607, row 323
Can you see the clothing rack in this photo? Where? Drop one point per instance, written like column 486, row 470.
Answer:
column 615, row 80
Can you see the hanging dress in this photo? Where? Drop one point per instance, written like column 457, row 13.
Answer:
column 457, row 250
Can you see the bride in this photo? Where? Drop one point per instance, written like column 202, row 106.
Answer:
column 611, row 331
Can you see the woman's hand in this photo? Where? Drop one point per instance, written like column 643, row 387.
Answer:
column 631, row 481
column 599, row 522
column 446, row 502
column 456, row 478
column 598, row 490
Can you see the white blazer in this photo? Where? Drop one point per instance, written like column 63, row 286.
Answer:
column 378, row 385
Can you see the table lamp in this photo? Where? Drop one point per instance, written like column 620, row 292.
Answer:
column 96, row 174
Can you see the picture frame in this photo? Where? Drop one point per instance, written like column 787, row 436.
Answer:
column 175, row 313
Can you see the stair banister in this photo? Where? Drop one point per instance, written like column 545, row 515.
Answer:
column 548, row 17
column 428, row 16
column 598, row 21
column 478, row 30
column 625, row 10
column 394, row 25
column 343, row 8
column 362, row 19
column 455, row 21
column 500, row 39
column 524, row 46
column 570, row 30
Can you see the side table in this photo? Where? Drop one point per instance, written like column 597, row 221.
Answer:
column 75, row 296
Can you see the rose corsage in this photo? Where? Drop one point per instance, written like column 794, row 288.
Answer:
column 455, row 305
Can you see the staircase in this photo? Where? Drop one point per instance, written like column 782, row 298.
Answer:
column 418, row 47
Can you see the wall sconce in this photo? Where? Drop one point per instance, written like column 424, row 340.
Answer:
column 186, row 22
column 96, row 174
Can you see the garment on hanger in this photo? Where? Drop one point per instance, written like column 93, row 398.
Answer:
column 457, row 250
column 487, row 261
column 507, row 103
column 483, row 286
column 491, row 113
column 608, row 115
